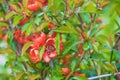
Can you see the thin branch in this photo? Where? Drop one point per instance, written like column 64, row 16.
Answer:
column 111, row 56
column 102, row 76
column 93, row 18
column 56, row 19
column 80, row 20
column 67, row 78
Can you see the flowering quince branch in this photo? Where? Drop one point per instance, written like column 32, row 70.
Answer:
column 59, row 39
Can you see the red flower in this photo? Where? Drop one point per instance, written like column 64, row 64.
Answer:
column 43, row 2
column 51, row 25
column 32, row 5
column 39, row 40
column 23, row 21
column 17, row 34
column 34, row 56
column 50, row 51
column 53, row 35
column 66, row 71
column 80, row 49
column 78, row 74
column 2, row 36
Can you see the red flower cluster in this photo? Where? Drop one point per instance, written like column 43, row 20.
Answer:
column 33, row 4
column 38, row 41
column 50, row 50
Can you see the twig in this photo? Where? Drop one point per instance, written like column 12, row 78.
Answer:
column 80, row 20
column 56, row 19
column 111, row 56
column 51, row 64
column 102, row 76
column 67, row 78
column 118, row 75
column 93, row 18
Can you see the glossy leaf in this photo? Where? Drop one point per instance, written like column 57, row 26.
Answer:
column 19, row 76
column 28, row 28
column 41, row 52
column 9, row 15
column 90, row 6
column 25, row 47
column 109, row 67
column 66, row 29
column 3, row 24
column 78, row 78
column 87, row 46
column 16, row 20
column 57, row 43
column 69, row 46
column 42, row 26
column 74, row 64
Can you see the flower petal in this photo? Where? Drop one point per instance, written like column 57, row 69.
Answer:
column 46, row 57
column 53, row 54
column 34, row 55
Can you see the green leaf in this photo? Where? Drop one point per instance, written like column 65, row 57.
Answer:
column 37, row 20
column 16, row 20
column 56, row 5
column 90, row 6
column 34, row 76
column 28, row 27
column 11, row 41
column 87, row 46
column 57, row 43
column 109, row 67
column 116, row 55
column 25, row 47
column 95, row 46
column 18, row 67
column 118, row 28
column 41, row 52
column 25, row 2
column 85, row 17
column 103, row 38
column 3, row 24
column 42, row 26
column 9, row 15
column 94, row 31
column 39, row 65
column 73, row 64
column 24, row 28
column 78, row 78
column 6, row 50
column 19, row 75
column 23, row 58
column 66, row 29
column 69, row 46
